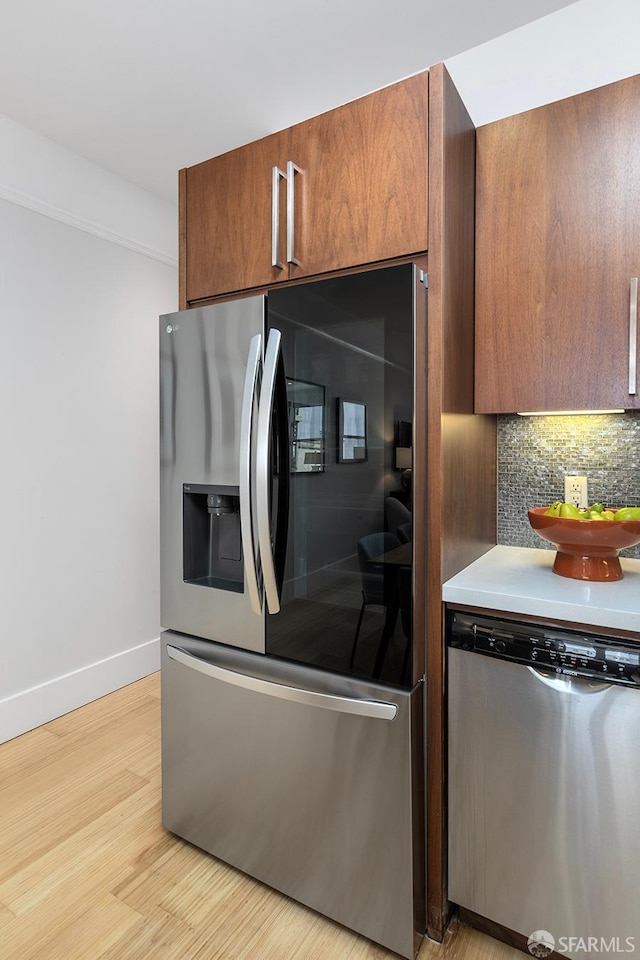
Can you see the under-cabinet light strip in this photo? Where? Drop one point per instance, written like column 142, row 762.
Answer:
column 565, row 413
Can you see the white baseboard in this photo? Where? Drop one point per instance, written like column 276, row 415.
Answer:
column 30, row 708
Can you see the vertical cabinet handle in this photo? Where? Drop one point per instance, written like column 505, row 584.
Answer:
column 292, row 169
column 276, row 176
column 633, row 334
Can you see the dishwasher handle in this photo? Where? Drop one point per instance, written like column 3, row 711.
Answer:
column 569, row 684
column 375, row 709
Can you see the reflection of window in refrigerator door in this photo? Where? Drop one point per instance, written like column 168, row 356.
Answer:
column 307, row 434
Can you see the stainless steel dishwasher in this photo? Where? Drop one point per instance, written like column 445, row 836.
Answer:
column 544, row 781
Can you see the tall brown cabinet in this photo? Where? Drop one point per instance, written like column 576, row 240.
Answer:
column 558, row 255
column 385, row 179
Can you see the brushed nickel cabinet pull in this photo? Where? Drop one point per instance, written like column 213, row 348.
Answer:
column 276, row 176
column 292, row 169
column 633, row 334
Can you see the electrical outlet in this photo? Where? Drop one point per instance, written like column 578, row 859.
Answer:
column 575, row 491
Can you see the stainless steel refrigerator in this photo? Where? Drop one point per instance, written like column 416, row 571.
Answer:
column 291, row 722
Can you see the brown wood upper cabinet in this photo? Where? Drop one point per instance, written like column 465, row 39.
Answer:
column 343, row 189
column 558, row 255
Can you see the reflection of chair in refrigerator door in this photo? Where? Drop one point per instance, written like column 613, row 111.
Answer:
column 379, row 584
column 405, row 532
column 399, row 560
column 396, row 514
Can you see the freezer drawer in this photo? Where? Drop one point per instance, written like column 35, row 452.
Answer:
column 308, row 781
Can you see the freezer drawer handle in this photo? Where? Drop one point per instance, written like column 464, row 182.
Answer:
column 246, row 448
column 375, row 709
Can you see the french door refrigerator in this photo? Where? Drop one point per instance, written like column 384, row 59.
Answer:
column 291, row 723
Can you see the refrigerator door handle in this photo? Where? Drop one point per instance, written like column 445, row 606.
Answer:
column 263, row 486
column 374, row 709
column 246, row 450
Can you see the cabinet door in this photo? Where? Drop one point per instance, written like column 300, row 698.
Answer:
column 361, row 193
column 229, row 220
column 558, row 241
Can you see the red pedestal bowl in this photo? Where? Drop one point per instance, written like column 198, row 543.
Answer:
column 586, row 549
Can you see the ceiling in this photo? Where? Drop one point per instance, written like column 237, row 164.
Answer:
column 144, row 87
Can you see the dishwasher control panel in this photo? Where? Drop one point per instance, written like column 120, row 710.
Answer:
column 537, row 644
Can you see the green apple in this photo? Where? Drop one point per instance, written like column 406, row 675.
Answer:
column 627, row 513
column 569, row 511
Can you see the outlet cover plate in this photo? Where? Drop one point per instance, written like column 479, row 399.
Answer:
column 576, row 491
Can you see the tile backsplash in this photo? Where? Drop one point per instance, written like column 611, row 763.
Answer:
column 535, row 454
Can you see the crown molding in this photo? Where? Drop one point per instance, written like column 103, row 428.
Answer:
column 87, row 226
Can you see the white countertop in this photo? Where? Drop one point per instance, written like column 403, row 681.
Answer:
column 520, row 580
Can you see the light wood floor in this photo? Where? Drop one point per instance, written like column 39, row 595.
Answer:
column 87, row 871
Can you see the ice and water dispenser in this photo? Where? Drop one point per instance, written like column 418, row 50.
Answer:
column 212, row 549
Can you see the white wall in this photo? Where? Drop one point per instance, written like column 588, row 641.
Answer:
column 87, row 262
column 78, row 429
column 42, row 176
column 578, row 48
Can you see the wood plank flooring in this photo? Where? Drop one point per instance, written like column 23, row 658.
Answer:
column 87, row 871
